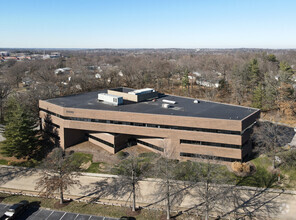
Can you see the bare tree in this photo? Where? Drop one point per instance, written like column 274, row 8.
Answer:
column 258, row 203
column 209, row 175
column 59, row 172
column 131, row 170
column 165, row 169
column 15, row 73
column 269, row 137
column 5, row 90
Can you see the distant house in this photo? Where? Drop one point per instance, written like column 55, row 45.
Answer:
column 91, row 67
column 10, row 58
column 4, row 53
column 120, row 73
column 46, row 57
column 65, row 70
column 27, row 81
column 55, row 54
column 207, row 83
column 98, row 76
column 210, row 80
column 197, row 74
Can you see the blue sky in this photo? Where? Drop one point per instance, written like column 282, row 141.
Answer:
column 148, row 23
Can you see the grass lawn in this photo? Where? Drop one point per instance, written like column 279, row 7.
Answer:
column 83, row 157
column 3, row 162
column 262, row 161
column 88, row 208
column 95, row 168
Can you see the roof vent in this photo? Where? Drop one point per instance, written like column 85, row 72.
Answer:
column 195, row 101
column 165, row 105
column 169, row 101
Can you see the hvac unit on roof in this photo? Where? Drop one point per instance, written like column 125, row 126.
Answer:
column 141, row 91
column 169, row 101
column 111, row 99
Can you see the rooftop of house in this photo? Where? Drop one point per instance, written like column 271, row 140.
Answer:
column 183, row 106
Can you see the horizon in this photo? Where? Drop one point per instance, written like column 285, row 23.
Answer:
column 144, row 48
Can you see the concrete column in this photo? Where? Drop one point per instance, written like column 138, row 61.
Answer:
column 62, row 137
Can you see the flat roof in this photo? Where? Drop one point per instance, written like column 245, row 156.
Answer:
column 184, row 106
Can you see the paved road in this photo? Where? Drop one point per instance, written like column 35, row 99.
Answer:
column 36, row 213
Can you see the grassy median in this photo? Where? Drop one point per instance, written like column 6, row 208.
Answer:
column 90, row 208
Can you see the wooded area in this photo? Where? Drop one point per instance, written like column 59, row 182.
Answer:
column 262, row 79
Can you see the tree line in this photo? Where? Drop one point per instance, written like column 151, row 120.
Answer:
column 260, row 79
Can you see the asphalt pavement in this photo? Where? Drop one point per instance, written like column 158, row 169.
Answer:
column 36, row 213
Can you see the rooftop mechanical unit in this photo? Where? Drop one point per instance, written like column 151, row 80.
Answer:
column 169, row 101
column 165, row 105
column 141, row 91
column 110, row 99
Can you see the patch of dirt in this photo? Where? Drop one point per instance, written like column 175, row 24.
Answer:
column 164, row 217
column 57, row 205
column 85, row 166
column 136, row 149
column 12, row 159
column 129, row 212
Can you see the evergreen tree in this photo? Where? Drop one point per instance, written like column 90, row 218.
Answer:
column 285, row 67
column 257, row 101
column 185, row 81
column 286, row 72
column 21, row 140
column 254, row 73
column 272, row 58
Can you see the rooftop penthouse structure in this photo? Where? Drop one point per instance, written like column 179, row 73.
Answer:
column 112, row 118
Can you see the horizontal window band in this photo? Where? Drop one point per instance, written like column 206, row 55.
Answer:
column 150, row 145
column 182, row 141
column 100, row 140
column 144, row 124
column 201, row 156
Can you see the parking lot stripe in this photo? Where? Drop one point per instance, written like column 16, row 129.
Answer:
column 38, row 212
column 76, row 216
column 49, row 215
column 4, row 207
column 89, row 217
column 63, row 215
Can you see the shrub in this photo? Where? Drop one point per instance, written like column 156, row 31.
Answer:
column 3, row 162
column 149, row 155
column 121, row 155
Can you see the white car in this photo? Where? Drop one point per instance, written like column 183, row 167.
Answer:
column 15, row 210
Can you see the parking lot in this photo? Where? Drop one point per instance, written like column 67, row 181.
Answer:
column 36, row 213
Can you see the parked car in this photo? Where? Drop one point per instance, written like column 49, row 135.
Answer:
column 15, row 210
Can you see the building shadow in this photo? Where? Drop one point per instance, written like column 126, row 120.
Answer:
column 49, row 137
